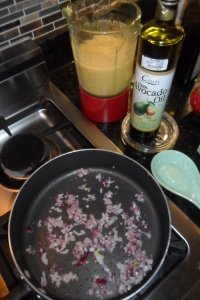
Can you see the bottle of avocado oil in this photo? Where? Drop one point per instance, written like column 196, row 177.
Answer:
column 158, row 50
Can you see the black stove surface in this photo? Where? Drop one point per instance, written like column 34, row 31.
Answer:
column 67, row 138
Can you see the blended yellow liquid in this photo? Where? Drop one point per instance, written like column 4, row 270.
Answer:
column 104, row 64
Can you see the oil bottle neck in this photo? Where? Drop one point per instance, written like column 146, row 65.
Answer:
column 165, row 12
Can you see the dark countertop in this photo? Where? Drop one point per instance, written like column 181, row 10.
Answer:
column 62, row 73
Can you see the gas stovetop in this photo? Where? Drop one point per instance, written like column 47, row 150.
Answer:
column 42, row 110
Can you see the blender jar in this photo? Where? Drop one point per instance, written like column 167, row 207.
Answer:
column 104, row 37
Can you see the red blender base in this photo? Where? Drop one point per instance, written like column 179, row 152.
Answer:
column 104, row 110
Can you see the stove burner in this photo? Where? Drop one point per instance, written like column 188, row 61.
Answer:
column 22, row 155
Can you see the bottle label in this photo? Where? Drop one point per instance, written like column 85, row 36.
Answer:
column 150, row 93
column 154, row 64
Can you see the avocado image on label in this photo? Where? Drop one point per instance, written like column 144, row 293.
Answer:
column 150, row 111
column 140, row 107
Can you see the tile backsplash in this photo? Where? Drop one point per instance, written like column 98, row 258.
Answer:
column 37, row 19
column 20, row 19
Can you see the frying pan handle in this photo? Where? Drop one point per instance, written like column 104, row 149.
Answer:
column 18, row 292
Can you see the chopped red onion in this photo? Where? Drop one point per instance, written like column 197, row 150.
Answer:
column 84, row 237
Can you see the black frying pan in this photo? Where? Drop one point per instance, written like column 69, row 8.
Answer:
column 58, row 248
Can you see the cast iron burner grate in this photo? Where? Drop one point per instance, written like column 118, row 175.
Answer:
column 177, row 251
